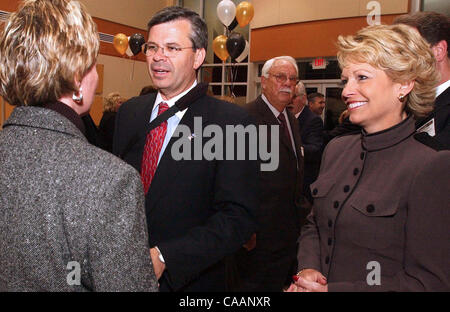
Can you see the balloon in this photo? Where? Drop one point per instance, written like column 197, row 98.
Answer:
column 235, row 45
column 136, row 42
column 220, row 47
column 244, row 53
column 128, row 51
column 226, row 10
column 244, row 13
column 120, row 42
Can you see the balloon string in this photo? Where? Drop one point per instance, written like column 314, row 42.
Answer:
column 132, row 70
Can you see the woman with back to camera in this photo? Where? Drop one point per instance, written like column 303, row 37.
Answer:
column 71, row 215
column 381, row 204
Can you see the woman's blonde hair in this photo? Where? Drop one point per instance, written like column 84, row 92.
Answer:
column 45, row 47
column 112, row 101
column 402, row 54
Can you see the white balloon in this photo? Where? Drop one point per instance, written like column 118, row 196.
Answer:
column 244, row 53
column 128, row 51
column 226, row 12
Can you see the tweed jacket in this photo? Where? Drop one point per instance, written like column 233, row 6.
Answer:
column 381, row 201
column 68, row 209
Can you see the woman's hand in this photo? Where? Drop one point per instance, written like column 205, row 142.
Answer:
column 308, row 280
column 311, row 275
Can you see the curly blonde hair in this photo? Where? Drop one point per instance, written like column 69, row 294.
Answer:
column 44, row 48
column 402, row 54
column 112, row 101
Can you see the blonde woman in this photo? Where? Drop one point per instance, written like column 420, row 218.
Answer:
column 72, row 216
column 381, row 204
column 111, row 104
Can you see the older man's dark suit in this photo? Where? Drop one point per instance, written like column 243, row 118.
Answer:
column 198, row 211
column 441, row 115
column 269, row 265
column 311, row 131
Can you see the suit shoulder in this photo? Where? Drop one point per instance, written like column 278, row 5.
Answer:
column 137, row 102
column 226, row 110
column 427, row 140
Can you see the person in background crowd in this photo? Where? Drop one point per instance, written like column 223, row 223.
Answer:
column 311, row 131
column 111, row 104
column 381, row 198
column 199, row 211
column 72, row 215
column 316, row 103
column 269, row 260
column 147, row 90
column 435, row 29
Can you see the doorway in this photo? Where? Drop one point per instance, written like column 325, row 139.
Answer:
column 334, row 106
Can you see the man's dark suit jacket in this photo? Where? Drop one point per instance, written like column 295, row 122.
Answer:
column 311, row 131
column 441, row 115
column 198, row 211
column 269, row 264
column 106, row 129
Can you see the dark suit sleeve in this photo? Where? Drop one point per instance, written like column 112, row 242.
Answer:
column 426, row 235
column 312, row 139
column 229, row 227
column 116, row 142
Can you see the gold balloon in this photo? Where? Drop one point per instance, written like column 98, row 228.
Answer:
column 220, row 47
column 120, row 42
column 244, row 13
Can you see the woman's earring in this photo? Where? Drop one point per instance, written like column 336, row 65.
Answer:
column 401, row 97
column 78, row 96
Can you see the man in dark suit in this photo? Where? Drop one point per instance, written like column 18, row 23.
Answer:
column 198, row 211
column 311, row 131
column 435, row 29
column 271, row 263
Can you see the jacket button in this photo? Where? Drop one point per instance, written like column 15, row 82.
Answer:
column 327, row 260
column 370, row 208
column 355, row 171
column 329, row 241
column 336, row 204
column 315, row 191
column 346, row 188
column 330, row 223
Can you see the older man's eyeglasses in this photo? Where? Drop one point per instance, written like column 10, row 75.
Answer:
column 151, row 49
column 282, row 78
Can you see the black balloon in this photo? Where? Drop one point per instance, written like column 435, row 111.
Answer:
column 233, row 24
column 235, row 45
column 136, row 41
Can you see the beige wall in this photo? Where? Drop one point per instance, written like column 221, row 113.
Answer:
column 123, row 75
column 278, row 12
column 134, row 13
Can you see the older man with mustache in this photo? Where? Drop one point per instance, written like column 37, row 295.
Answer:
column 269, row 265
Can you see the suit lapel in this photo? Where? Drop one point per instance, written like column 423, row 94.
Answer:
column 269, row 118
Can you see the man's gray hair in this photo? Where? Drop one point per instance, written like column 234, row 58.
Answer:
column 300, row 89
column 268, row 65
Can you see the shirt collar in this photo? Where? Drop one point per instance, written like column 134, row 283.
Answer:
column 275, row 112
column 67, row 112
column 298, row 114
column 442, row 87
column 172, row 101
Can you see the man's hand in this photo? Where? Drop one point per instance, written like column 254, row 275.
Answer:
column 251, row 243
column 158, row 266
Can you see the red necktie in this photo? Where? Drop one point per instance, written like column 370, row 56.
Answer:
column 284, row 127
column 153, row 144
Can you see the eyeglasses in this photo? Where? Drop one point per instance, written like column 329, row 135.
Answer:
column 151, row 49
column 282, row 78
